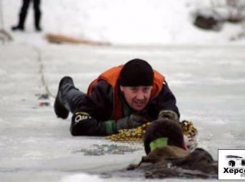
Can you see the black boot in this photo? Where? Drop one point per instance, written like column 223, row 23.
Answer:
column 20, row 26
column 37, row 21
column 15, row 28
column 59, row 106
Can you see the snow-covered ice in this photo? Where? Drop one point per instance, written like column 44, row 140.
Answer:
column 37, row 145
column 204, row 70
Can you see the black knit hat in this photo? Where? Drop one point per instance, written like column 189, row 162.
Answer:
column 136, row 72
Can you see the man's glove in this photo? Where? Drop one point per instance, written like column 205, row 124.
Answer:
column 83, row 124
column 132, row 121
column 168, row 114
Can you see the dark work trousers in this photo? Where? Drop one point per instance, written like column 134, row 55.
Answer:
column 71, row 97
column 24, row 10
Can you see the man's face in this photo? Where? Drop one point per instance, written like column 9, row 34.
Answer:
column 137, row 97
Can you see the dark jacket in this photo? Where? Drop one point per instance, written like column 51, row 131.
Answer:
column 100, row 104
column 106, row 91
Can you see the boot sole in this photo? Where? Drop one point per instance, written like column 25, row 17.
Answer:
column 60, row 110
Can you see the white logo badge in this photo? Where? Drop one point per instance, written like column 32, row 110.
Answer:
column 231, row 164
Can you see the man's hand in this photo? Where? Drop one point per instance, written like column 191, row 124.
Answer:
column 132, row 121
column 168, row 114
column 83, row 124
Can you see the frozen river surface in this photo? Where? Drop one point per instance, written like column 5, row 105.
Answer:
column 208, row 81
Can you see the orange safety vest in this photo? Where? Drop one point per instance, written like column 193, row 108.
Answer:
column 111, row 76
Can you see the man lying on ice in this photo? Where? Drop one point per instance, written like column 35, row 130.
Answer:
column 126, row 97
column 122, row 97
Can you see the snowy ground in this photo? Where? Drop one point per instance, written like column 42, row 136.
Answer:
column 126, row 21
column 208, row 81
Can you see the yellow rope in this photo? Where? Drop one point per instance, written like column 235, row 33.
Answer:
column 136, row 134
column 188, row 128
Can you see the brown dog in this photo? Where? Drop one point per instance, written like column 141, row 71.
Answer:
column 173, row 160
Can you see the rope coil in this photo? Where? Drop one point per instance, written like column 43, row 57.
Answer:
column 136, row 134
